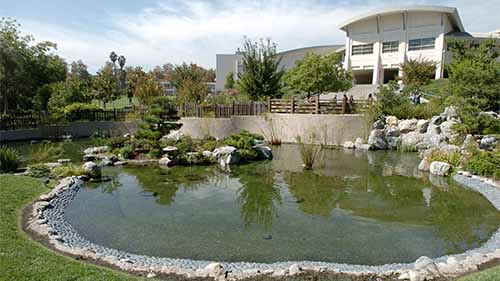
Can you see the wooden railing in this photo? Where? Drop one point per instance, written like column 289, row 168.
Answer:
column 316, row 106
column 222, row 110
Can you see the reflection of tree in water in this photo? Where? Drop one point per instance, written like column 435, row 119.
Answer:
column 259, row 195
column 164, row 183
column 316, row 194
column 463, row 217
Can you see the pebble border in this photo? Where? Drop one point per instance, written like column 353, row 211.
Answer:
column 47, row 219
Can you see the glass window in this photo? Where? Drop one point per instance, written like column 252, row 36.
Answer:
column 364, row 49
column 390, row 47
column 421, row 44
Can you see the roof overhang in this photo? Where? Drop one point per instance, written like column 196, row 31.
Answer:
column 450, row 11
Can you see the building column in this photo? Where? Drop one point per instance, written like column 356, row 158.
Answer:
column 347, row 57
column 378, row 64
column 440, row 49
column 404, row 43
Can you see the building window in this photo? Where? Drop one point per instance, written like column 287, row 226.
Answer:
column 390, row 47
column 364, row 49
column 421, row 44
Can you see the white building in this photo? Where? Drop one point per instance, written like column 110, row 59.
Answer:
column 232, row 63
column 378, row 42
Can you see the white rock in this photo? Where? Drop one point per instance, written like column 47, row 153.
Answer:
column 52, row 165
column 423, row 262
column 447, row 130
column 412, row 139
column 417, row 275
column 214, row 269
column 175, row 135
column 450, row 112
column 406, row 126
column 391, row 120
column 96, row 150
column 151, row 275
column 424, row 165
column 379, row 124
column 488, row 142
column 170, row 149
column 348, row 145
column 92, row 169
column 207, row 153
column 64, row 161
column 294, row 269
column 469, row 142
column 358, row 142
column 422, row 125
column 165, row 161
column 439, row 168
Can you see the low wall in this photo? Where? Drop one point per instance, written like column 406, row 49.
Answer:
column 329, row 129
column 75, row 129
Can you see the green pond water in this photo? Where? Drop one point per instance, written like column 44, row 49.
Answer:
column 360, row 208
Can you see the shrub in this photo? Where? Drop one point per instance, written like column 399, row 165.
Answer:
column 99, row 138
column 128, row 151
column 453, row 158
column 155, row 153
column 67, row 171
column 485, row 163
column 211, row 144
column 9, row 159
column 39, row 170
column 117, row 142
column 309, row 152
column 244, row 141
column 46, row 151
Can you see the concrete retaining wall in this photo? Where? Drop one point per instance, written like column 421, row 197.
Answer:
column 329, row 129
column 76, row 130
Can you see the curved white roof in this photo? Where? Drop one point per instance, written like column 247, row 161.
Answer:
column 451, row 11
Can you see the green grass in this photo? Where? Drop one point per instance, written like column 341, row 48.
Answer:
column 491, row 274
column 435, row 88
column 24, row 259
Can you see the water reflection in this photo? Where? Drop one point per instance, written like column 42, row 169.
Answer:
column 378, row 187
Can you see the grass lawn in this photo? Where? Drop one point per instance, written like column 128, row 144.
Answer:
column 491, row 274
column 24, row 259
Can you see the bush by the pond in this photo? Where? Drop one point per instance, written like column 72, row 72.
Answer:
column 128, row 151
column 39, row 170
column 46, row 151
column 453, row 158
column 485, row 163
column 67, row 171
column 309, row 152
column 155, row 153
column 9, row 159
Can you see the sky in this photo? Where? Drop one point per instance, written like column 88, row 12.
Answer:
column 154, row 32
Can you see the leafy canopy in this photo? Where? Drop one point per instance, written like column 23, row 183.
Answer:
column 261, row 77
column 317, row 74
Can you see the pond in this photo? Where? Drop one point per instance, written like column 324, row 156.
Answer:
column 359, row 208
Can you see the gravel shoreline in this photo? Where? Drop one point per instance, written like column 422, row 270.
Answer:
column 46, row 219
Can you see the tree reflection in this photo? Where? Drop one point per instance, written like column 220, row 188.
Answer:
column 259, row 195
column 164, row 183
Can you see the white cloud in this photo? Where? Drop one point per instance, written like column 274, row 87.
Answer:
column 194, row 31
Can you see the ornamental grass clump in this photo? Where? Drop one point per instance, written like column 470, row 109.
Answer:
column 309, row 152
column 9, row 159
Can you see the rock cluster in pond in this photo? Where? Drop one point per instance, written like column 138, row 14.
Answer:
column 47, row 219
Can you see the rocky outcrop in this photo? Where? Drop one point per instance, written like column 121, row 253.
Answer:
column 226, row 155
column 92, row 169
column 96, row 150
column 265, row 152
column 376, row 140
column 440, row 168
column 488, row 142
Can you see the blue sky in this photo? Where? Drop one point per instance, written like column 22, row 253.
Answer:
column 153, row 32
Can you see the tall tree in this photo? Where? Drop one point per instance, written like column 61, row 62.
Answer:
column 146, row 88
column 189, row 80
column 229, row 82
column 78, row 70
column 417, row 73
column 261, row 75
column 105, row 85
column 316, row 74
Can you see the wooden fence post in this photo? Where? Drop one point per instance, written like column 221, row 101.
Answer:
column 293, row 104
column 269, row 104
column 316, row 109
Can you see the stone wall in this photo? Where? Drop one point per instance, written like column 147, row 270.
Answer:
column 330, row 129
column 75, row 129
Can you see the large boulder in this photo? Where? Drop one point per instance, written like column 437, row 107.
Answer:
column 376, row 140
column 422, row 125
column 392, row 131
column 175, row 135
column 165, row 161
column 411, row 139
column 92, row 169
column 440, row 168
column 488, row 142
column 433, row 135
column 391, row 121
column 424, row 165
column 96, row 150
column 437, row 120
column 447, row 130
column 406, row 126
column 348, row 145
column 379, row 124
column 226, row 155
column 264, row 152
column 358, row 143
column 450, row 112
column 469, row 142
